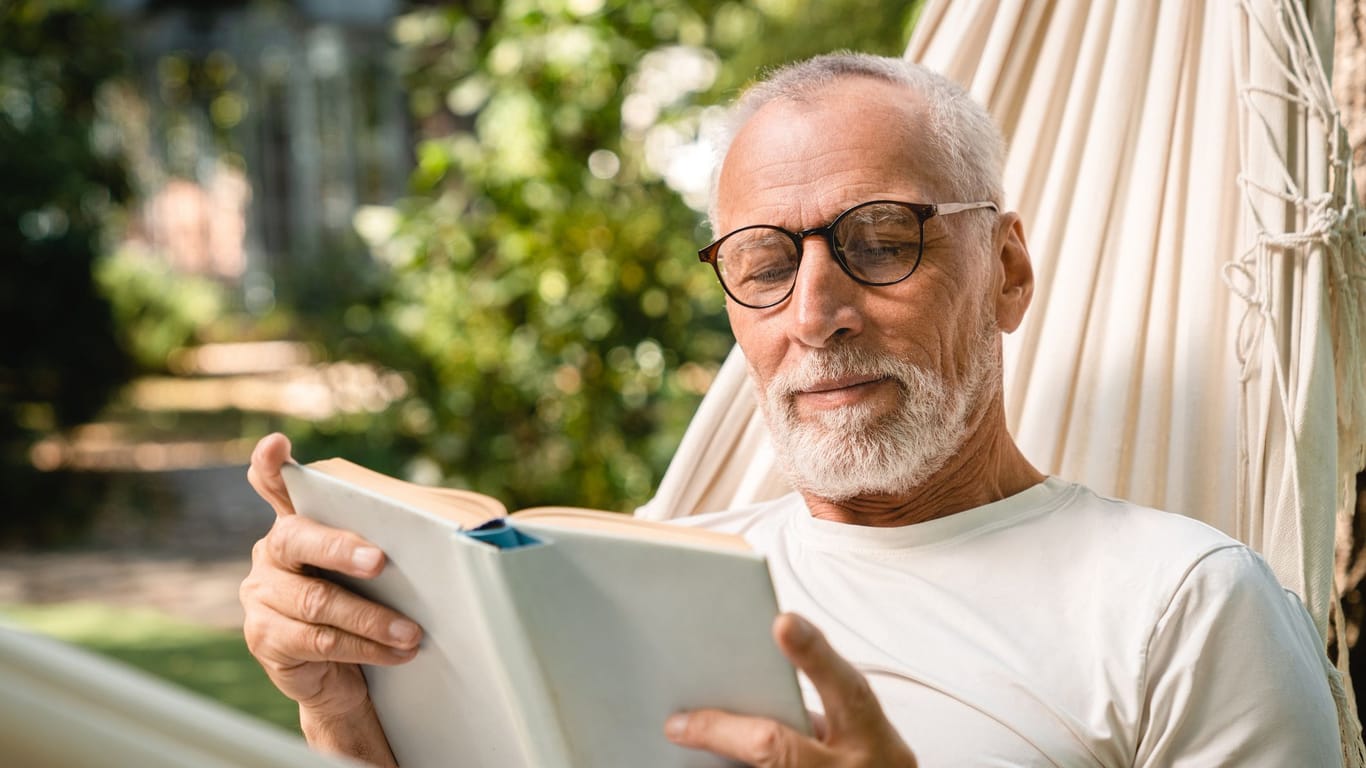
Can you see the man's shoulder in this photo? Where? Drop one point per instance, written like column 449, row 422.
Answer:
column 1130, row 524
column 1131, row 540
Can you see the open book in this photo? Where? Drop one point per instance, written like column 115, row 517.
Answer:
column 554, row 636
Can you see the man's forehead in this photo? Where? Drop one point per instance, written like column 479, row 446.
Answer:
column 855, row 139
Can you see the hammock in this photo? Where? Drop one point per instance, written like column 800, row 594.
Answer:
column 1196, row 337
column 64, row 707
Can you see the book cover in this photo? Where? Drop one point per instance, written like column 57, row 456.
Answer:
column 553, row 637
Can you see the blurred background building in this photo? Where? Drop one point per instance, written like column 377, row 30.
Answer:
column 267, row 126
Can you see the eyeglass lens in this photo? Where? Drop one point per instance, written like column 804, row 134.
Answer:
column 879, row 243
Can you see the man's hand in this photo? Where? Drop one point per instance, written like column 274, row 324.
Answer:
column 854, row 732
column 310, row 634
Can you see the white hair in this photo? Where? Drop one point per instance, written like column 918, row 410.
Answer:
column 964, row 148
column 850, row 451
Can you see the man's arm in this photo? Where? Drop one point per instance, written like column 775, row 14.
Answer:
column 854, row 731
column 1235, row 674
column 310, row 634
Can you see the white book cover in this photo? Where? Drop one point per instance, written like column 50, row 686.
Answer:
column 568, row 651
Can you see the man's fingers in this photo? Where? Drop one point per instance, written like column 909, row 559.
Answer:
column 855, row 731
column 317, row 601
column 271, row 452
column 301, row 658
column 295, row 542
column 301, row 643
column 753, row 741
column 848, row 700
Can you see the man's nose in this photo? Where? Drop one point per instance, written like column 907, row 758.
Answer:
column 824, row 301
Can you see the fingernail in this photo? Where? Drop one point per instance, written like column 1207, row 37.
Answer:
column 366, row 558
column 402, row 653
column 403, row 632
column 801, row 630
column 675, row 726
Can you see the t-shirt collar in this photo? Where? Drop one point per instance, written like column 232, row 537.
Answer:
column 827, row 534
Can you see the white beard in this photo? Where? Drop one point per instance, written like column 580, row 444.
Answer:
column 850, row 451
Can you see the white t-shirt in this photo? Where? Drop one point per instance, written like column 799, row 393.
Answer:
column 1056, row 627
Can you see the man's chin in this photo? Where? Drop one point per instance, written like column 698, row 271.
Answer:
column 835, row 475
column 851, row 452
column 838, row 484
column 857, row 416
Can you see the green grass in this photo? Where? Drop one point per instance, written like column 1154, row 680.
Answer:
column 211, row 662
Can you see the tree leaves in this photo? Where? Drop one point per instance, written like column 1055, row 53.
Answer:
column 544, row 273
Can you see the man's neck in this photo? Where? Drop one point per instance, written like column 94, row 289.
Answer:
column 987, row 467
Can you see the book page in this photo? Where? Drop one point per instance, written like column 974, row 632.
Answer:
column 469, row 510
column 617, row 524
column 465, row 508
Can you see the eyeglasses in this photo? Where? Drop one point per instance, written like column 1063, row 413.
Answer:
column 876, row 243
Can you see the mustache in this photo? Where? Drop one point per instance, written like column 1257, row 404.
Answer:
column 838, row 362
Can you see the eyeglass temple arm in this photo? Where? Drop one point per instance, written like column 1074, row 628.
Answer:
column 946, row 208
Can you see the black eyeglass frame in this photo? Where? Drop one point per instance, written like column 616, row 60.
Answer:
column 923, row 213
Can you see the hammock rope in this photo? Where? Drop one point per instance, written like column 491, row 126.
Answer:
column 1330, row 230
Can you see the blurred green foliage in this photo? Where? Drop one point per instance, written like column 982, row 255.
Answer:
column 537, row 286
column 157, row 310
column 59, row 183
column 544, row 291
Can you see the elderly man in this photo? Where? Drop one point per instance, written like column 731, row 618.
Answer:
column 972, row 611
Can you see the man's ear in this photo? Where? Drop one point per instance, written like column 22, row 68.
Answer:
column 1015, row 274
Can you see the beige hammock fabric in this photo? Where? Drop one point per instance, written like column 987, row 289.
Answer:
column 1181, row 176
column 1196, row 338
column 67, row 708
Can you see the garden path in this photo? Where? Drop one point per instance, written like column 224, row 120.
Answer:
column 188, row 564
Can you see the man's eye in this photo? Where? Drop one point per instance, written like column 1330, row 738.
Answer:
column 872, row 255
column 760, row 261
column 760, row 267
column 771, row 274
